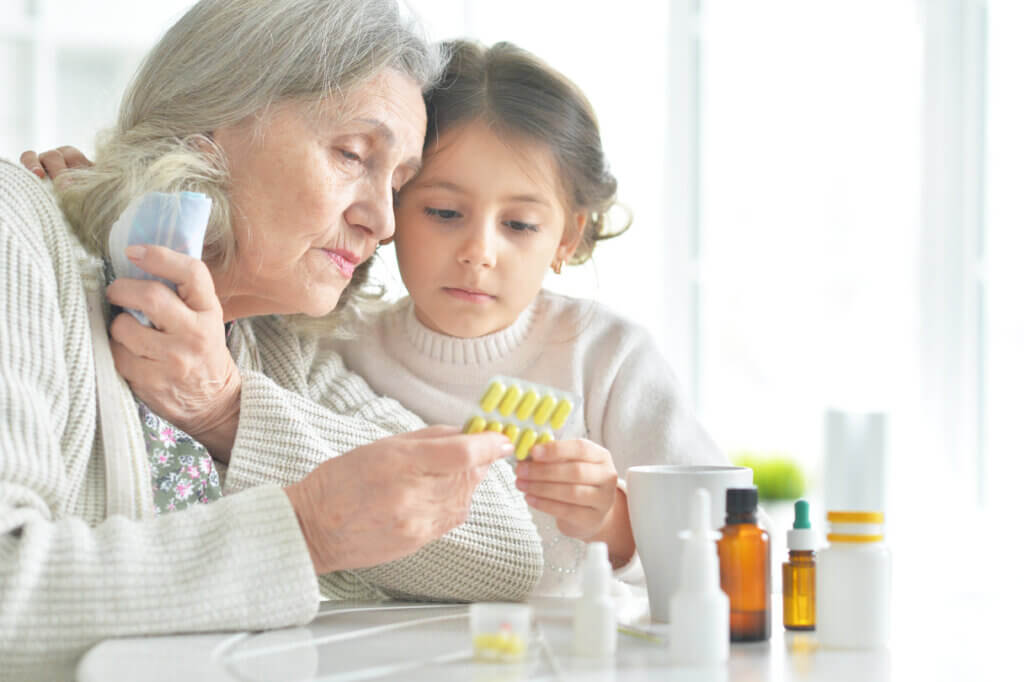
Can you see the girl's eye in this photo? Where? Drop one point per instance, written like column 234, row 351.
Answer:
column 520, row 226
column 442, row 213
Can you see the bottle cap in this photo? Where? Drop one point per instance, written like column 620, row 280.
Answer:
column 801, row 538
column 740, row 501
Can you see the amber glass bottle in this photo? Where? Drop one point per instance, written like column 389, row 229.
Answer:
column 798, row 573
column 744, row 555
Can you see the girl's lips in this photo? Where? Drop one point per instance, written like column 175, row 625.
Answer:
column 345, row 260
column 468, row 296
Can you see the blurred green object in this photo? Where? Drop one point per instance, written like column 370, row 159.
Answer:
column 777, row 476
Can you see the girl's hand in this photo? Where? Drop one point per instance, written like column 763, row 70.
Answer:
column 55, row 161
column 181, row 368
column 575, row 481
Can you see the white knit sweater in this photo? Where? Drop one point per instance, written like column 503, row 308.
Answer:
column 632, row 403
column 72, row 574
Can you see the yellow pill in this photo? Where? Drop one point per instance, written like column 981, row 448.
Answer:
column 494, row 426
column 474, row 425
column 492, row 396
column 509, row 402
column 545, row 437
column 526, row 404
column 512, row 431
column 561, row 413
column 526, row 442
column 544, row 410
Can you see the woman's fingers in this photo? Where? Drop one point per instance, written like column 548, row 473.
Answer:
column 164, row 308
column 455, row 453
column 578, row 449
column 30, row 160
column 192, row 277
column 579, row 472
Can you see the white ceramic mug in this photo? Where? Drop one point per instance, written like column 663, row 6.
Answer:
column 659, row 508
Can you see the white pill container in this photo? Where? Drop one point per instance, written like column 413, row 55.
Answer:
column 853, row 582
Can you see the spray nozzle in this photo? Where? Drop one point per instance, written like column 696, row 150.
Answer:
column 700, row 518
column 597, row 573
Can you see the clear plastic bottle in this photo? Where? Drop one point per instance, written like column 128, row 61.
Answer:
column 853, row 584
column 798, row 572
column 744, row 555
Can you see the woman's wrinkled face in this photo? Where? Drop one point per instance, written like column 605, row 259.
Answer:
column 478, row 229
column 312, row 194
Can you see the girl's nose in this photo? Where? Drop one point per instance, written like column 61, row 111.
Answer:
column 478, row 249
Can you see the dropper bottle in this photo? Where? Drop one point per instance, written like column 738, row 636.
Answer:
column 798, row 572
column 699, row 611
column 595, row 626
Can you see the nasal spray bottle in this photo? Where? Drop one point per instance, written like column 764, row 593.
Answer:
column 595, row 626
column 699, row 611
column 175, row 220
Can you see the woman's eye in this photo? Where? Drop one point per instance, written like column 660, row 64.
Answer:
column 350, row 155
column 520, row 226
column 442, row 213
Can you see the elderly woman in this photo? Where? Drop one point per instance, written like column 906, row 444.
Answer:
column 299, row 119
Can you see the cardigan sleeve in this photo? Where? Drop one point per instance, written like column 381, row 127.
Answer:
column 67, row 578
column 301, row 406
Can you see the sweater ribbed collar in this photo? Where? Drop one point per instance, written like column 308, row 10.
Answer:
column 451, row 350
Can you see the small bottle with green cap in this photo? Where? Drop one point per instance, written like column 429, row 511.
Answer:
column 798, row 573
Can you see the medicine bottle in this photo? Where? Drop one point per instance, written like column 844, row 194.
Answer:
column 744, row 557
column 853, row 582
column 798, row 572
column 595, row 625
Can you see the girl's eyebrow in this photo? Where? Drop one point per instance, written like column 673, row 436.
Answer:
column 513, row 198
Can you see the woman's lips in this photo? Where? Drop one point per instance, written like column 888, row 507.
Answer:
column 468, row 295
column 345, row 260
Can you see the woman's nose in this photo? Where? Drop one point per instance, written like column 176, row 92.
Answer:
column 478, row 249
column 373, row 208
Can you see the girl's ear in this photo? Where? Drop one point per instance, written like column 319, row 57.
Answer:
column 572, row 236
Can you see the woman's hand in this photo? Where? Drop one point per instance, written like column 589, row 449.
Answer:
column 385, row 500
column 55, row 161
column 181, row 368
column 575, row 481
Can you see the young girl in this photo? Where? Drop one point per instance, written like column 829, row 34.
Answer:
column 515, row 181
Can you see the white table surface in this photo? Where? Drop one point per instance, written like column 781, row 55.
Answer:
column 935, row 637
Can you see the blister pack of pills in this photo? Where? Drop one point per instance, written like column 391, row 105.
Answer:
column 176, row 220
column 528, row 413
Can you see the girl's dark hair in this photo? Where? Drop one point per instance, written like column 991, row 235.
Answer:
column 516, row 93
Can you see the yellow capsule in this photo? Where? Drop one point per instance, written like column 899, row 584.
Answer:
column 526, row 442
column 526, row 404
column 561, row 413
column 512, row 431
column 494, row 426
column 545, row 437
column 509, row 402
column 547, row 405
column 474, row 425
column 492, row 396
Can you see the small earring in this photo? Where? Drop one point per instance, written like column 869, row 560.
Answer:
column 557, row 267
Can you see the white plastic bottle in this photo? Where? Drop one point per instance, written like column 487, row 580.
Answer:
column 699, row 611
column 853, row 582
column 595, row 625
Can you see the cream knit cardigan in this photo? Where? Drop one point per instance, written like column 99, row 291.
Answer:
column 82, row 558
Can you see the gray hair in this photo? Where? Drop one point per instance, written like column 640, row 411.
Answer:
column 222, row 62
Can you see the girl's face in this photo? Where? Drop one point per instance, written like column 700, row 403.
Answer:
column 478, row 228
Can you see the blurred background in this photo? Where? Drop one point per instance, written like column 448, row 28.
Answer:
column 827, row 204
